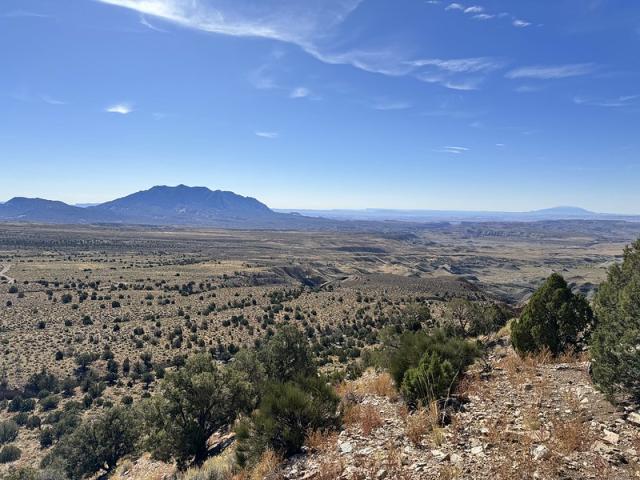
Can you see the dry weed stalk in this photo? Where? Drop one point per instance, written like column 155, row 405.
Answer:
column 268, row 467
column 366, row 417
column 321, row 441
column 422, row 422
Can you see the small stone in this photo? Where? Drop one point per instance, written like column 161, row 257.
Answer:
column 634, row 418
column 601, row 447
column 440, row 455
column 346, row 447
column 540, row 452
column 477, row 450
column 611, row 437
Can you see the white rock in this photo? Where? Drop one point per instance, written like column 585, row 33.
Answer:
column 611, row 437
column 346, row 447
column 540, row 452
column 477, row 450
column 634, row 418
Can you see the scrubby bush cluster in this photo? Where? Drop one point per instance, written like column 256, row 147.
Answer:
column 427, row 366
column 273, row 395
column 615, row 347
column 554, row 319
column 557, row 320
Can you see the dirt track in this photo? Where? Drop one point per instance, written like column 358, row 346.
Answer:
column 3, row 273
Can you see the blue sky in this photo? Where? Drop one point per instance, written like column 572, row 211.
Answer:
column 487, row 105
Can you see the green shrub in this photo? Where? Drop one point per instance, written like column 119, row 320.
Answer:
column 287, row 413
column 97, row 443
column 33, row 421
column 407, row 351
column 46, row 437
column 19, row 404
column 8, row 431
column 9, row 453
column 50, row 402
column 286, row 355
column 432, row 379
column 554, row 319
column 24, row 473
column 488, row 319
column 39, row 382
column 194, row 402
column 614, row 346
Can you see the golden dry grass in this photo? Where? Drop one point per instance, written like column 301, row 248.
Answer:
column 366, row 417
column 423, row 422
column 570, row 436
column 267, row 468
column 371, row 383
column 320, row 441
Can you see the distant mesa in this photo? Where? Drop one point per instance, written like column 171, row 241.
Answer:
column 199, row 206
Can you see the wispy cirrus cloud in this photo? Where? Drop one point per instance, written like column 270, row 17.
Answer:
column 315, row 27
column 308, row 25
column 520, row 23
column 120, row 108
column 549, row 72
column 267, row 135
column 616, row 102
column 51, row 100
column 149, row 25
column 458, row 73
column 387, row 105
column 25, row 95
column 478, row 12
column 23, row 14
column 453, row 150
column 300, row 92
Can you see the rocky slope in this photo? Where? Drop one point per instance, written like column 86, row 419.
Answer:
column 521, row 420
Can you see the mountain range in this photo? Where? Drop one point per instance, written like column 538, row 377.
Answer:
column 160, row 205
column 200, row 206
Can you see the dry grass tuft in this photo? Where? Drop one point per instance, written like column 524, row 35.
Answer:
column 371, row 383
column 268, row 468
column 570, row 436
column 448, row 472
column 321, row 441
column 221, row 467
column 365, row 416
column 329, row 469
column 423, row 422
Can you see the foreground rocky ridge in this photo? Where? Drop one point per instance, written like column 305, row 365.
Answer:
column 521, row 420
column 537, row 418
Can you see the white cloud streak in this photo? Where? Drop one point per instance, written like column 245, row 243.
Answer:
column 520, row 23
column 389, row 105
column 300, row 92
column 453, row 150
column 268, row 135
column 23, row 14
column 312, row 25
column 478, row 12
column 120, row 108
column 51, row 100
column 457, row 74
column 149, row 25
column 548, row 72
column 618, row 102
